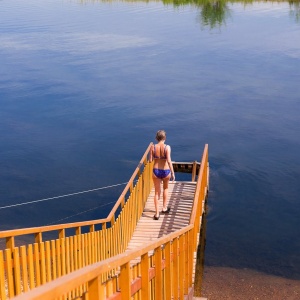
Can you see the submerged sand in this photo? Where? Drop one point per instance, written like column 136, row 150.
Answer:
column 226, row 283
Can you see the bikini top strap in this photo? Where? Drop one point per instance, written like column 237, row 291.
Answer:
column 159, row 157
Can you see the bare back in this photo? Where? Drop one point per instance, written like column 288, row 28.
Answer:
column 161, row 154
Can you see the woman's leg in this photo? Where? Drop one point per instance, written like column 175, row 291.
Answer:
column 165, row 192
column 156, row 182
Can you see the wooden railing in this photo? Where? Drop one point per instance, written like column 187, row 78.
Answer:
column 164, row 269
column 28, row 266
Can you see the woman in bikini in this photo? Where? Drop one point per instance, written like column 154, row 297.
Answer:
column 162, row 171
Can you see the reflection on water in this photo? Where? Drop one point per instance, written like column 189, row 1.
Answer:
column 83, row 89
column 295, row 10
column 200, row 256
column 214, row 13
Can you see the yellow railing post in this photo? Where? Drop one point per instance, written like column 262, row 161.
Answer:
column 190, row 256
column 125, row 281
column 95, row 289
column 61, row 233
column 16, row 271
column 42, row 263
column 194, row 171
column 10, row 242
column 175, row 268
column 158, row 273
column 38, row 237
column 2, row 277
column 168, row 277
column 36, row 259
column 24, row 268
column 145, row 275
column 9, row 270
column 92, row 228
column 78, row 230
column 181, row 267
column 30, row 267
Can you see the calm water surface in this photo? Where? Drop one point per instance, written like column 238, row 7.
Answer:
column 84, row 86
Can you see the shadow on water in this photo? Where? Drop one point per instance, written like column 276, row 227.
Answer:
column 199, row 271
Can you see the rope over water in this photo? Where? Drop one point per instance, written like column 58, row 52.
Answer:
column 62, row 196
column 81, row 213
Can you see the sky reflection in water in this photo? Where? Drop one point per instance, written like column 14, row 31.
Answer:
column 85, row 86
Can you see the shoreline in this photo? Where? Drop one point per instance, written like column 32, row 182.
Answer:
column 220, row 283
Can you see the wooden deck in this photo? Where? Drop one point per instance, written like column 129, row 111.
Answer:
column 180, row 199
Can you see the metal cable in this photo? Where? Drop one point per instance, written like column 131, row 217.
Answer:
column 62, row 196
column 82, row 212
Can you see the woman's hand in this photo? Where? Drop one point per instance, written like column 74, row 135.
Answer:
column 172, row 177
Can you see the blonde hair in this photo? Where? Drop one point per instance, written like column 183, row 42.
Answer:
column 160, row 135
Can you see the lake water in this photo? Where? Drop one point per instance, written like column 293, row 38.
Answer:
column 84, row 86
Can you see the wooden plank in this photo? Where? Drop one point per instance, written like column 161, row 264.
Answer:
column 180, row 199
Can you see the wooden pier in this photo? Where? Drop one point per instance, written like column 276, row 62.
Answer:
column 130, row 256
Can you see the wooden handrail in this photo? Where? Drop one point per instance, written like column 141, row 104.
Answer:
column 130, row 182
column 200, row 179
column 32, row 230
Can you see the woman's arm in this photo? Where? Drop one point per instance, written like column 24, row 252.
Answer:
column 151, row 154
column 169, row 161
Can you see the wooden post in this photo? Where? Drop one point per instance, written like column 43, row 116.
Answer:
column 96, row 289
column 168, row 278
column 42, row 263
column 2, row 277
column 145, row 276
column 30, row 267
column 61, row 233
column 24, row 268
column 158, row 273
column 17, row 273
column 10, row 242
column 38, row 237
column 92, row 228
column 181, row 267
column 36, row 259
column 9, row 273
column 175, row 268
column 125, row 281
column 78, row 230
column 194, row 171
column 112, row 221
